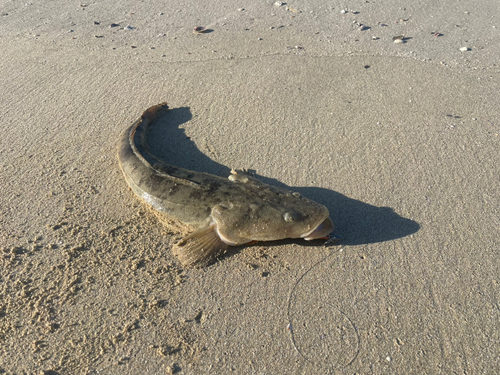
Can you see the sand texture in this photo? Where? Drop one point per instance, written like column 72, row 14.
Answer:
column 399, row 140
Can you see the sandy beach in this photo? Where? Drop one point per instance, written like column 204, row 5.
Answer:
column 400, row 141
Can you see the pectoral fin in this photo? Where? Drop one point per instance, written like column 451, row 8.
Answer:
column 200, row 248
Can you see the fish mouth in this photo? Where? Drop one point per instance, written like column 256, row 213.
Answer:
column 321, row 231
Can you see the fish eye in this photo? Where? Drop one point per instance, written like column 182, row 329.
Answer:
column 289, row 216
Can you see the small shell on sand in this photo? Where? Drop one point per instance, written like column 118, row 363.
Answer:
column 199, row 30
column 398, row 39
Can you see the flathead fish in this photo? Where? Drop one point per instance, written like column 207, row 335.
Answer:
column 217, row 212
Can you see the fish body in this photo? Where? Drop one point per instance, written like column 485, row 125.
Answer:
column 219, row 212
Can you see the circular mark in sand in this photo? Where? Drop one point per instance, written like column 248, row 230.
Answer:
column 321, row 332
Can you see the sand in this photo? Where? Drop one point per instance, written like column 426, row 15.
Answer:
column 399, row 141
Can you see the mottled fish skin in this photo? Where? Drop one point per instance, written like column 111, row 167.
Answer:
column 221, row 212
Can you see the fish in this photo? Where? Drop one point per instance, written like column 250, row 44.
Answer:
column 214, row 212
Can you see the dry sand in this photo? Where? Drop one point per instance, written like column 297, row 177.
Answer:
column 399, row 141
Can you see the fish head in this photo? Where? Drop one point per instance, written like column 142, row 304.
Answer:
column 272, row 214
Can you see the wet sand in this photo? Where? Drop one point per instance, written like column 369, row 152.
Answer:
column 399, row 141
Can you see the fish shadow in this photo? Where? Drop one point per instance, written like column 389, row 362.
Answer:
column 356, row 222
